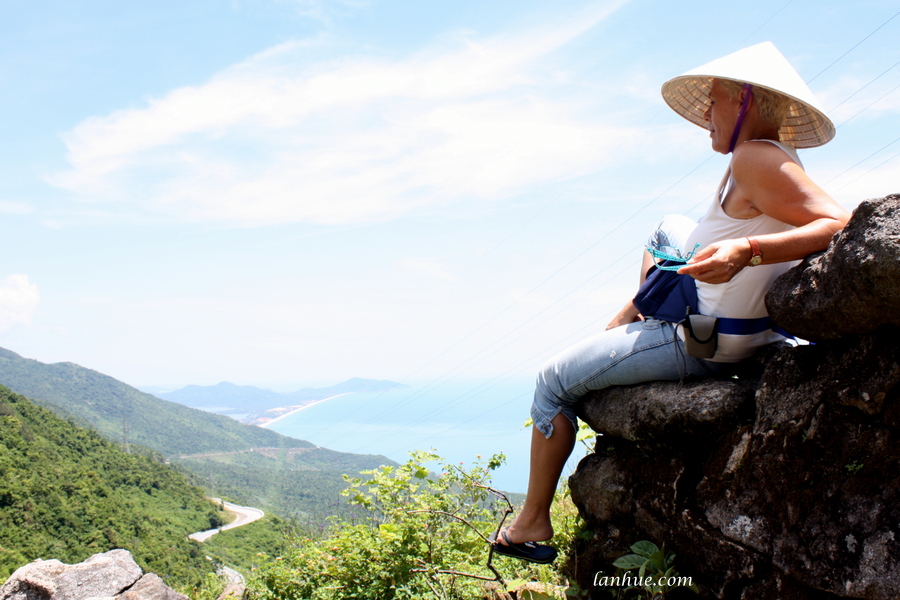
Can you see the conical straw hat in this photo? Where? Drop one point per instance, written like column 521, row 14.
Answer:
column 806, row 125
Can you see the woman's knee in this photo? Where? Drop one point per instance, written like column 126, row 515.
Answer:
column 673, row 231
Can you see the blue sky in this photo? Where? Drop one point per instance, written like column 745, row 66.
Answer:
column 286, row 192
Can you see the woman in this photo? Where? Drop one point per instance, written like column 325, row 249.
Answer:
column 767, row 213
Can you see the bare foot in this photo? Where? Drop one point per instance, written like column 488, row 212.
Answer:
column 522, row 531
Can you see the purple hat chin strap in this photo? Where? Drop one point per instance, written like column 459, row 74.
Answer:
column 747, row 89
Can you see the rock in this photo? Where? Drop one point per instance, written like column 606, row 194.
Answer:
column 816, row 486
column 111, row 575
column 667, row 412
column 852, row 286
column 803, row 500
column 783, row 484
column 101, row 575
column 622, row 489
column 151, row 587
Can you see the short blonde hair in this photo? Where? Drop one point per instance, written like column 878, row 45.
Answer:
column 772, row 107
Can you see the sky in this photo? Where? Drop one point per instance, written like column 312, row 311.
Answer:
column 287, row 193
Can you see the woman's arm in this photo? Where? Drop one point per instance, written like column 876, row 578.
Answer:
column 767, row 181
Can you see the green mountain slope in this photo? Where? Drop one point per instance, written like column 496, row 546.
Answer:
column 243, row 463
column 67, row 493
column 121, row 412
column 302, row 484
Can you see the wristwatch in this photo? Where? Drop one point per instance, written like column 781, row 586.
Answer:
column 755, row 254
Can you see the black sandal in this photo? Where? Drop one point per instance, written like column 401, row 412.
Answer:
column 530, row 551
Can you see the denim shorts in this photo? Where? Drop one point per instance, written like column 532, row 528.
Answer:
column 644, row 351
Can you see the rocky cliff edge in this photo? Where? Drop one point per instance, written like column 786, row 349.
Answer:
column 782, row 483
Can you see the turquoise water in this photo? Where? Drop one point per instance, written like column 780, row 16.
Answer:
column 459, row 420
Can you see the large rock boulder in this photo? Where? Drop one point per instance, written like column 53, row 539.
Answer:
column 814, row 485
column 852, row 287
column 782, row 484
column 150, row 587
column 111, row 575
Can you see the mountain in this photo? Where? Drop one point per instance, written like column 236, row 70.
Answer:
column 127, row 415
column 224, row 397
column 67, row 493
column 247, row 403
column 244, row 463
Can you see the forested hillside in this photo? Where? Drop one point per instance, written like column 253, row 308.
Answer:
column 67, row 493
column 303, row 483
column 121, row 412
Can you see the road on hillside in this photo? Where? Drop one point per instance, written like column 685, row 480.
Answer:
column 245, row 515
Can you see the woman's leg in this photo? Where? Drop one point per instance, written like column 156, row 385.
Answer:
column 643, row 351
column 673, row 231
column 548, row 457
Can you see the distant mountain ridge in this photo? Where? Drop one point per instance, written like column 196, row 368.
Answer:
column 247, row 402
column 245, row 463
column 223, row 395
column 127, row 415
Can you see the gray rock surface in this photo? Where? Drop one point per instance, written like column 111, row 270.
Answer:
column 816, row 486
column 111, row 575
column 665, row 412
column 852, row 287
column 779, row 486
column 150, row 587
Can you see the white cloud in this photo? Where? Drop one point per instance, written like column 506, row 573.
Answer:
column 18, row 300
column 428, row 267
column 850, row 98
column 275, row 140
column 15, row 208
column 875, row 179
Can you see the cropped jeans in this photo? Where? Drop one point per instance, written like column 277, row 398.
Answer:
column 635, row 353
column 644, row 351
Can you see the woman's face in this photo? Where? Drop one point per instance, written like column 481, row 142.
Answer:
column 721, row 116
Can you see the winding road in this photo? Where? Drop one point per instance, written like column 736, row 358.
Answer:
column 245, row 515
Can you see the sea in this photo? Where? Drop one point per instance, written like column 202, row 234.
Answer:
column 460, row 421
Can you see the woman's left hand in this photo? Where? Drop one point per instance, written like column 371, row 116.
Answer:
column 628, row 314
column 719, row 262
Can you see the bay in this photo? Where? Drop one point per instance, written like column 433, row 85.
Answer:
column 459, row 420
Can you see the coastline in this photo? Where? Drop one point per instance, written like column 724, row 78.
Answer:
column 299, row 408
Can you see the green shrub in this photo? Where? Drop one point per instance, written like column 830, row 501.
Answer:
column 425, row 536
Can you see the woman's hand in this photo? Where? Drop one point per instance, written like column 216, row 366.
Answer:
column 628, row 314
column 719, row 262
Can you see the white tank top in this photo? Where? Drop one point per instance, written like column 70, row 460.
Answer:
column 744, row 296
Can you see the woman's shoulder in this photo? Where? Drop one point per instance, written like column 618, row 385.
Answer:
column 762, row 158
column 765, row 152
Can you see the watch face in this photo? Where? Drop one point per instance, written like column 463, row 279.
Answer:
column 755, row 260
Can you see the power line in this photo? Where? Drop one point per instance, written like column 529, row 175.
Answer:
column 544, row 353
column 878, row 166
column 532, row 290
column 845, row 100
column 766, row 22
column 464, row 365
column 838, row 59
column 870, row 105
column 864, row 160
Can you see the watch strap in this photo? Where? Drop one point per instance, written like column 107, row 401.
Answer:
column 755, row 253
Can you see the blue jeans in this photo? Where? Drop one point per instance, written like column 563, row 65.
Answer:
column 635, row 353
column 644, row 351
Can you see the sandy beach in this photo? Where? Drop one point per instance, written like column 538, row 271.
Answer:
column 299, row 408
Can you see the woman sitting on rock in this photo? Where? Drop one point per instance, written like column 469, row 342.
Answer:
column 766, row 214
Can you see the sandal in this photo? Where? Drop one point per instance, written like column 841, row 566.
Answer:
column 530, row 551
